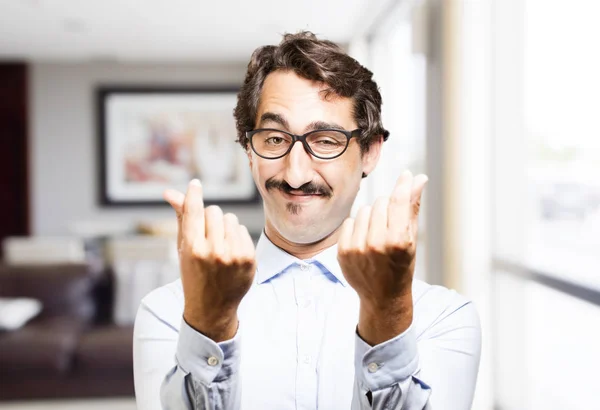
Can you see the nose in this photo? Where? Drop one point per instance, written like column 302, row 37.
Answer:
column 298, row 167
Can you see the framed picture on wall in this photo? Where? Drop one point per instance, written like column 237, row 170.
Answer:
column 152, row 139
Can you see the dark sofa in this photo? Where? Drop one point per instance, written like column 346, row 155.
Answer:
column 71, row 349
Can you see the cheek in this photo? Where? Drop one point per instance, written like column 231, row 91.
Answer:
column 343, row 177
column 262, row 170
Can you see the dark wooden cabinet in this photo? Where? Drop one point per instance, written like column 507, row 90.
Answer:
column 14, row 168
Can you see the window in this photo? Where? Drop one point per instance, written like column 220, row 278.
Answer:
column 546, row 238
column 562, row 130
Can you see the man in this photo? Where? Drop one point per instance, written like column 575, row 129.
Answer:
column 324, row 313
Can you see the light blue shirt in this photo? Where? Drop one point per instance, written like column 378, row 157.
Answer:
column 297, row 347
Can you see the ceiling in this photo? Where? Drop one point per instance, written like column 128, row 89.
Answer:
column 170, row 30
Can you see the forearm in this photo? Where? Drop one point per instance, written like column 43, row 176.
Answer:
column 218, row 322
column 382, row 321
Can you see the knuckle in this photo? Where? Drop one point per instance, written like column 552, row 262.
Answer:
column 248, row 261
column 382, row 200
column 347, row 251
column 213, row 210
column 230, row 217
column 245, row 262
column 198, row 253
column 401, row 245
column 371, row 248
column 377, row 248
column 353, row 251
column 221, row 259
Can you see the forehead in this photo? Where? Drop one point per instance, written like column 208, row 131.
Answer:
column 301, row 101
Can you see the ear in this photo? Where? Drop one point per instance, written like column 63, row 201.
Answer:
column 370, row 158
column 249, row 154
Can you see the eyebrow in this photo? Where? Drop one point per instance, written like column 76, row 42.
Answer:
column 280, row 119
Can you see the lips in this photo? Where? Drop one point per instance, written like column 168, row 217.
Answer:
column 302, row 194
column 299, row 196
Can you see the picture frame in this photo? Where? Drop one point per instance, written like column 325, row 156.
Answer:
column 154, row 138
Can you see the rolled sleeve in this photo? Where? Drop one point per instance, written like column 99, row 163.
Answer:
column 206, row 360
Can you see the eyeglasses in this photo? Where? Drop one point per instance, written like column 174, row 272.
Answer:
column 270, row 143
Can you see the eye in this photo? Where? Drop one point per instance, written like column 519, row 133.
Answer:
column 274, row 140
column 327, row 141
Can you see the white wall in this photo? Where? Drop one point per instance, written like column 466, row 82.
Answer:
column 63, row 147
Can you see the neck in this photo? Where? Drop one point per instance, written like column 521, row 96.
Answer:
column 301, row 250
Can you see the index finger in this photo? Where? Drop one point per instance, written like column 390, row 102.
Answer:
column 399, row 206
column 175, row 199
column 192, row 222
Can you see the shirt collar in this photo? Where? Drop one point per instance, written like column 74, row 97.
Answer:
column 272, row 260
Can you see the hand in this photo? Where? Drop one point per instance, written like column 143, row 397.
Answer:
column 376, row 252
column 217, row 262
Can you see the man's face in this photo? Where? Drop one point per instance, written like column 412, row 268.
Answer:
column 307, row 198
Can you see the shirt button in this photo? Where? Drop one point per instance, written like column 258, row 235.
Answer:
column 304, row 267
column 373, row 367
column 306, row 359
column 213, row 361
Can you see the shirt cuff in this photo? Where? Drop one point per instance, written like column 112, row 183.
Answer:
column 205, row 359
column 387, row 363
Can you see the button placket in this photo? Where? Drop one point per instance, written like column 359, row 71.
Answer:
column 302, row 286
column 306, row 382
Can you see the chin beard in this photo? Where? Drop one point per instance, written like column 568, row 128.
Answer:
column 293, row 208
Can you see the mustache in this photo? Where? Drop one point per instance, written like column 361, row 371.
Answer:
column 310, row 188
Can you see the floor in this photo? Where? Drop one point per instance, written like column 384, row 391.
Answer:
column 116, row 404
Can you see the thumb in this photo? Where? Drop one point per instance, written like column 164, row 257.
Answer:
column 415, row 200
column 175, row 199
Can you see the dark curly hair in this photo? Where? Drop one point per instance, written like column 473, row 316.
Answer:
column 316, row 60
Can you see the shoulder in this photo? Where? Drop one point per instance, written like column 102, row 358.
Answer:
column 440, row 309
column 165, row 303
column 435, row 297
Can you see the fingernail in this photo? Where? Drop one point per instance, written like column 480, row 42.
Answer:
column 195, row 182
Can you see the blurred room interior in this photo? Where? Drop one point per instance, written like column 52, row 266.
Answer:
column 495, row 100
